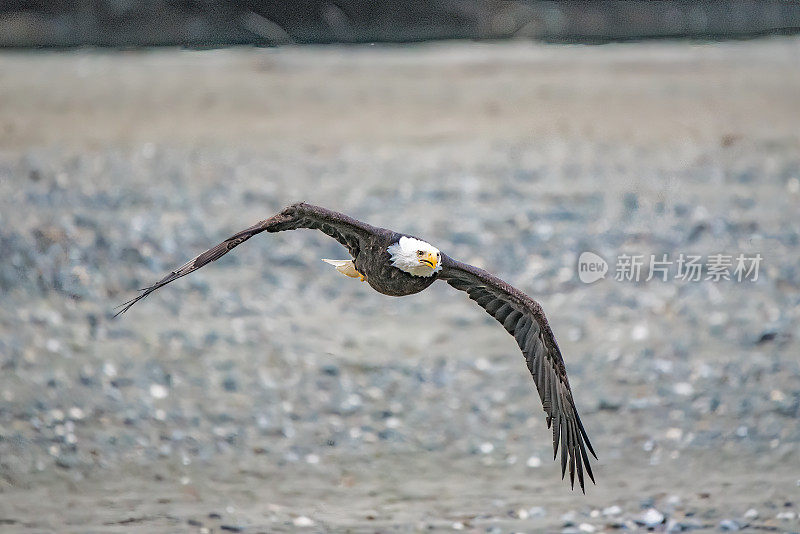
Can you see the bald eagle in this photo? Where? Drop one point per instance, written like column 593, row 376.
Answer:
column 397, row 264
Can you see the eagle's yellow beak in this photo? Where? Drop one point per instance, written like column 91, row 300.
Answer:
column 430, row 259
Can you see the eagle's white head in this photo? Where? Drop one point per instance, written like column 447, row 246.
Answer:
column 415, row 257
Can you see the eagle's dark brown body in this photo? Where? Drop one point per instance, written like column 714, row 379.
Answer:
column 519, row 314
column 369, row 251
column 374, row 263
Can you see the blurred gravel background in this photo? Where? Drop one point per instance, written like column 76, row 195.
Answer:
column 268, row 393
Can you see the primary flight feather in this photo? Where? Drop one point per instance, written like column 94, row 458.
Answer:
column 397, row 264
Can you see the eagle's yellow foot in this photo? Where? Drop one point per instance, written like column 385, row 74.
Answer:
column 347, row 268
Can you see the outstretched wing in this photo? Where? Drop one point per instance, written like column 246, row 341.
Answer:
column 524, row 319
column 349, row 232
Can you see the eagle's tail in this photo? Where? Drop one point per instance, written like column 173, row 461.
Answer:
column 346, row 267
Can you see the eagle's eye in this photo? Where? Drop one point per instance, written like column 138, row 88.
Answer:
column 420, row 253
